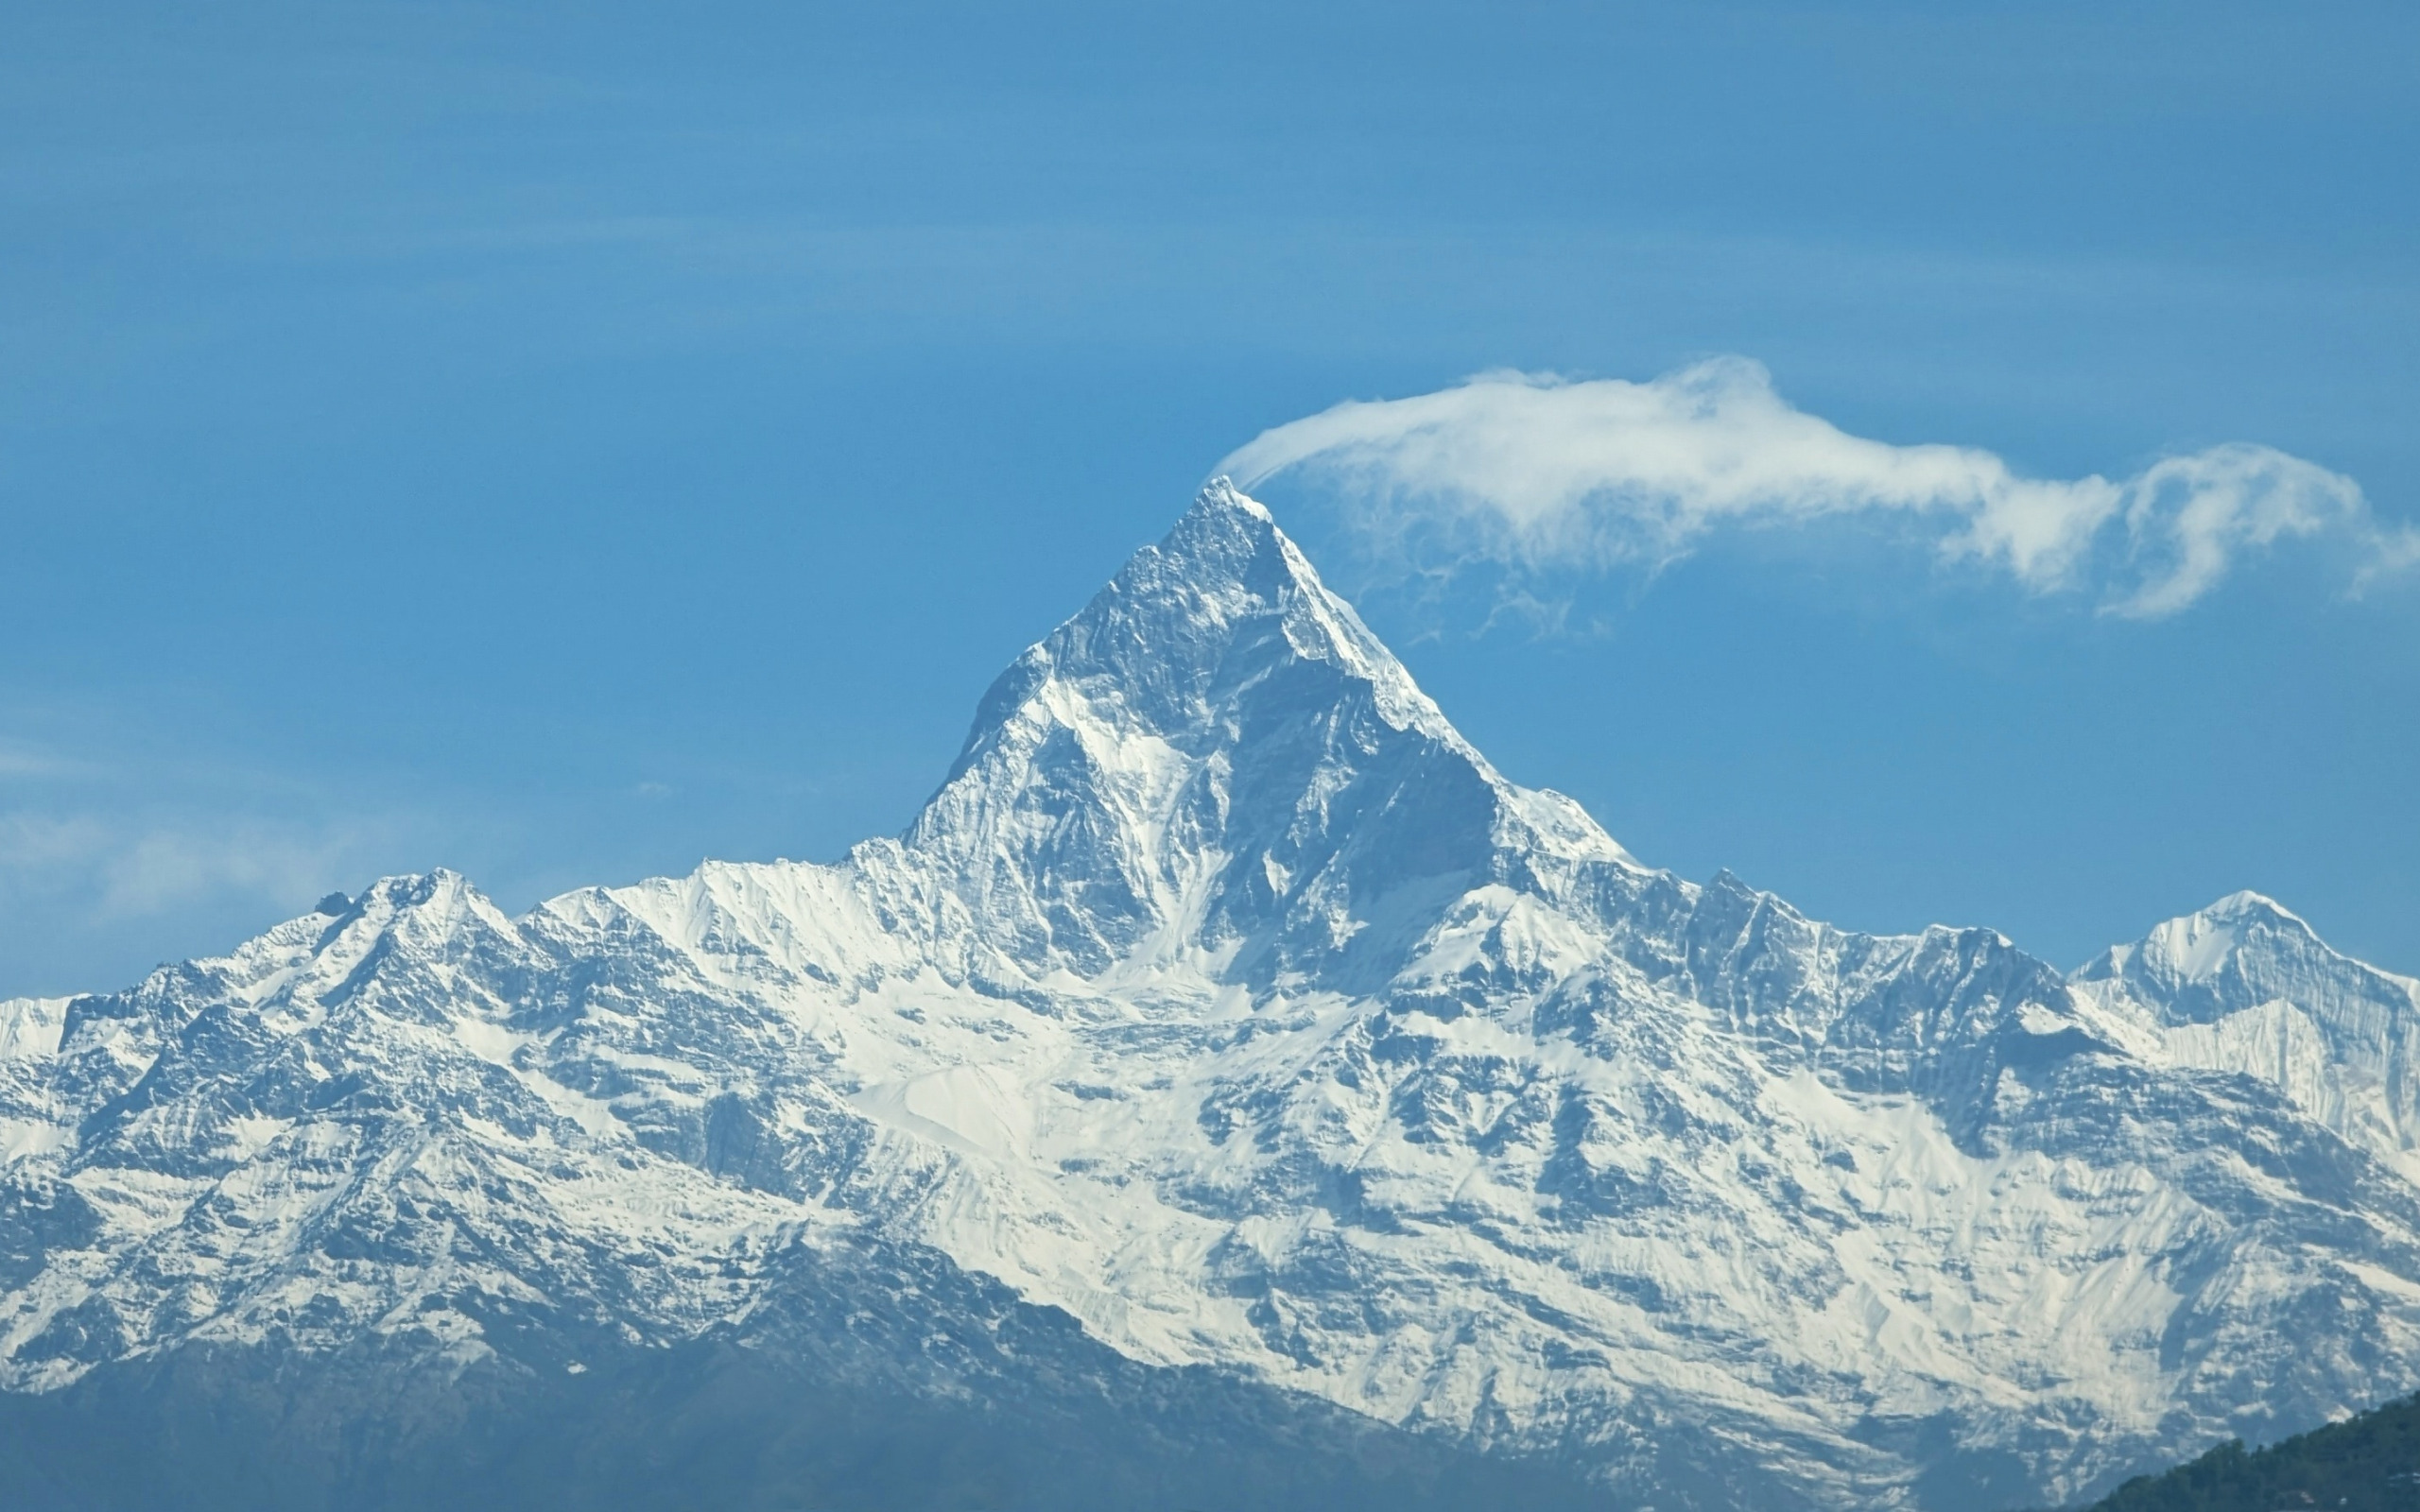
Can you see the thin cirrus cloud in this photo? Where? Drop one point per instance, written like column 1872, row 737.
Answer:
column 119, row 870
column 1534, row 472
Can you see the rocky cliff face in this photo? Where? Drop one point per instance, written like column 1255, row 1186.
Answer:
column 1225, row 1002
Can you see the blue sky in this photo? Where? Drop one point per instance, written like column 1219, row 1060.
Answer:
column 563, row 443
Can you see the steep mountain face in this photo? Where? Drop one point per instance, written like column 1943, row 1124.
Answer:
column 1225, row 1005
column 2246, row 987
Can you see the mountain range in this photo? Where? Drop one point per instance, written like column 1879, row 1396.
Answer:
column 1230, row 1090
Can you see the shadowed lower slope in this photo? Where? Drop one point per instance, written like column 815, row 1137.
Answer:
column 876, row 1377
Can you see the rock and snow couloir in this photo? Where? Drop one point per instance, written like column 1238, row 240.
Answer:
column 1225, row 999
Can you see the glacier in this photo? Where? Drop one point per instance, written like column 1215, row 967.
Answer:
column 1225, row 1039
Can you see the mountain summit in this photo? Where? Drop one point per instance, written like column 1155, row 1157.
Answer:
column 1230, row 1090
column 1217, row 756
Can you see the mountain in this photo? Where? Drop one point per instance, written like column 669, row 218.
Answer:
column 1229, row 1091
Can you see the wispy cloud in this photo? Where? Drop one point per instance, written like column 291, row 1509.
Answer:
column 116, row 853
column 125, row 869
column 1534, row 472
column 19, row 760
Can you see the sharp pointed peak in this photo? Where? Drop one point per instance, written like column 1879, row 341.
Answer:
column 1178, row 604
column 2218, row 922
column 1226, row 541
column 1191, row 623
column 1219, row 495
column 2245, row 903
column 2196, row 946
column 1153, row 641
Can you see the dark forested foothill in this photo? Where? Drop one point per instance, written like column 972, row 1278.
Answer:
column 2370, row 1463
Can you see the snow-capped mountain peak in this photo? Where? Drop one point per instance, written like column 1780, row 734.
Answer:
column 1191, row 623
column 1218, row 745
column 1226, row 1006
column 2198, row 947
column 2246, row 986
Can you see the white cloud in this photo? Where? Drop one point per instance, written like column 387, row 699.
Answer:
column 141, row 869
column 18, row 760
column 1535, row 471
column 168, row 869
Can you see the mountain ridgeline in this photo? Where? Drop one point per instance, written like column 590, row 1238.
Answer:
column 1229, row 1091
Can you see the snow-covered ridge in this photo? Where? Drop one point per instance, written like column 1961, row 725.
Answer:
column 1225, row 998
column 2245, row 986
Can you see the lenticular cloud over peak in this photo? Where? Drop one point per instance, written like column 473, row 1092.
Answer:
column 1531, row 471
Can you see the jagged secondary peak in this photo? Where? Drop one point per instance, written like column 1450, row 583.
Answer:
column 2247, row 987
column 2240, row 951
column 2196, row 946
